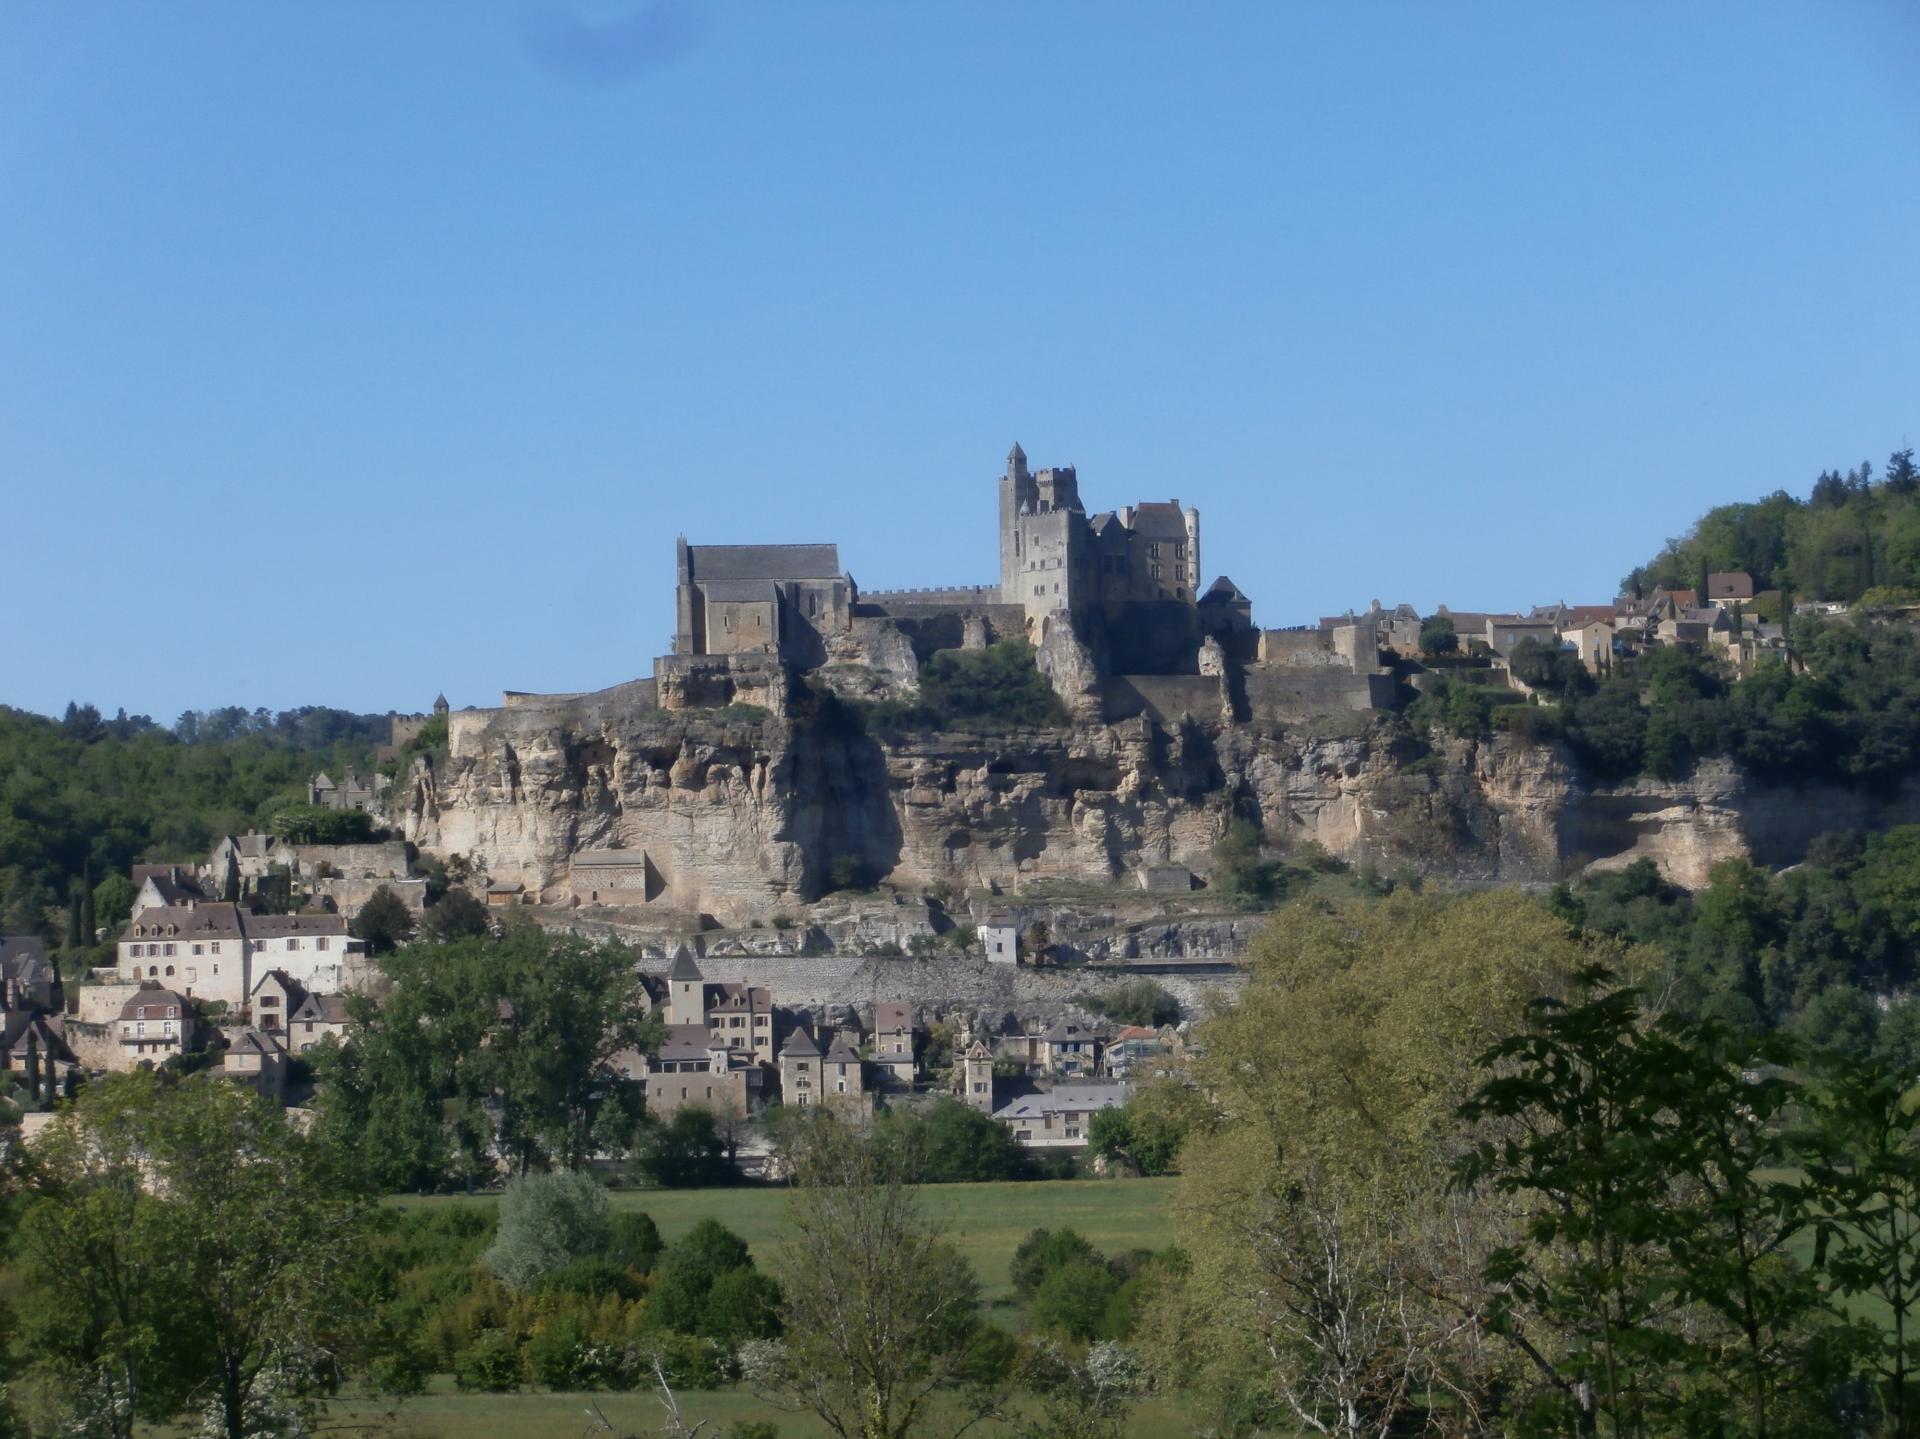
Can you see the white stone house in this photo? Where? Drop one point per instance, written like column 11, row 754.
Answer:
column 154, row 1025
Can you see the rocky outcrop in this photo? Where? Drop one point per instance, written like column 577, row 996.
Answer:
column 745, row 818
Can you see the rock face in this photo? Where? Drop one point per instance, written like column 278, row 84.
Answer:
column 744, row 818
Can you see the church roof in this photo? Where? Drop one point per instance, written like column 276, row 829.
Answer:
column 763, row 562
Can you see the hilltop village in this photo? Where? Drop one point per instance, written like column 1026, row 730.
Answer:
column 863, row 986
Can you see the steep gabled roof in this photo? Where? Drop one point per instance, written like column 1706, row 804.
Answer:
column 763, row 562
column 799, row 1045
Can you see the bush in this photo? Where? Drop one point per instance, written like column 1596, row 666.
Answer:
column 546, row 1222
column 1138, row 1001
column 983, row 690
column 686, row 1152
column 490, row 1365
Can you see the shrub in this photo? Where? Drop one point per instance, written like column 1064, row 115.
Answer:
column 1138, row 1001
column 546, row 1222
column 490, row 1365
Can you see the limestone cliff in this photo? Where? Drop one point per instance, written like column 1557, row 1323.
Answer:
column 744, row 814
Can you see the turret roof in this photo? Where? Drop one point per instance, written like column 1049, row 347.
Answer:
column 684, row 967
column 800, row 1044
column 1016, row 455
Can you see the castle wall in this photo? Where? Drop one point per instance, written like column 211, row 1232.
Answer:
column 1166, row 698
column 1289, row 693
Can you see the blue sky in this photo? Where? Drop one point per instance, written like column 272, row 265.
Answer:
column 352, row 352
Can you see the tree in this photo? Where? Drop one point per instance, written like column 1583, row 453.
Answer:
column 880, row 1311
column 188, row 1244
column 1651, row 1286
column 687, row 1151
column 707, row 1285
column 1862, row 1161
column 1137, row 1001
column 1332, row 1273
column 455, row 915
column 547, row 1221
column 1043, row 1251
column 952, row 1143
column 384, row 922
column 484, row 1048
column 1438, row 636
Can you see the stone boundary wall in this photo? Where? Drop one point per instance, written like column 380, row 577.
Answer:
column 941, row 983
column 587, row 708
column 1302, row 694
column 386, row 860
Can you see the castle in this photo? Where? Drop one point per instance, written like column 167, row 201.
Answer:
column 1125, row 582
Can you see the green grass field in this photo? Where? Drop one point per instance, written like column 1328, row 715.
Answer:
column 986, row 1222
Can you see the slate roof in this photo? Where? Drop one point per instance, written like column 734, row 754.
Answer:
column 1070, row 1031
column 684, row 967
column 685, row 1041
column 608, row 858
column 1224, row 591
column 1066, row 1099
column 22, row 955
column 218, row 920
column 277, row 926
column 842, row 1053
column 800, row 1045
column 159, row 1001
column 1159, row 520
column 763, row 562
column 322, row 1009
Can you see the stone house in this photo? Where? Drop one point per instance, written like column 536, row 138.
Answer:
column 976, row 1077
column 36, row 1047
column 352, row 792
column 614, row 876
column 1070, row 1048
column 164, row 886
column 779, row 600
column 1000, row 938
column 503, row 893
column 1138, row 1046
column 213, row 950
column 893, row 1033
column 316, row 1017
column 693, row 1069
column 251, row 856
column 1592, row 642
column 255, row 1057
column 843, row 1076
column 1505, row 633
column 1059, row 1118
column 799, row 1069
column 740, row 1016
column 1166, row 878
column 154, row 1025
column 26, row 976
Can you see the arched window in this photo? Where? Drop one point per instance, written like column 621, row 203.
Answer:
column 169, row 971
column 153, row 971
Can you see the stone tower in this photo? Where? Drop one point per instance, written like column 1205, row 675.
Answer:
column 686, row 991
column 1016, row 494
column 977, row 1064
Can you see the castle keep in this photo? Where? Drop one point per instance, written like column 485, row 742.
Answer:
column 1125, row 582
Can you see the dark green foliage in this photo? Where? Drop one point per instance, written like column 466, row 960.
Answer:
column 1042, row 1251
column 490, row 1365
column 989, row 689
column 949, row 1143
column 91, row 797
column 455, row 915
column 707, row 1286
column 1656, row 1264
column 384, row 922
column 316, row 824
column 485, row 1047
column 1241, row 870
column 1137, row 1001
column 1148, row 1139
column 1808, row 949
column 686, row 1152
column 1438, row 635
column 1550, row 669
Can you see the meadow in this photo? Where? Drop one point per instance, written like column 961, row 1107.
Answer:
column 985, row 1222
